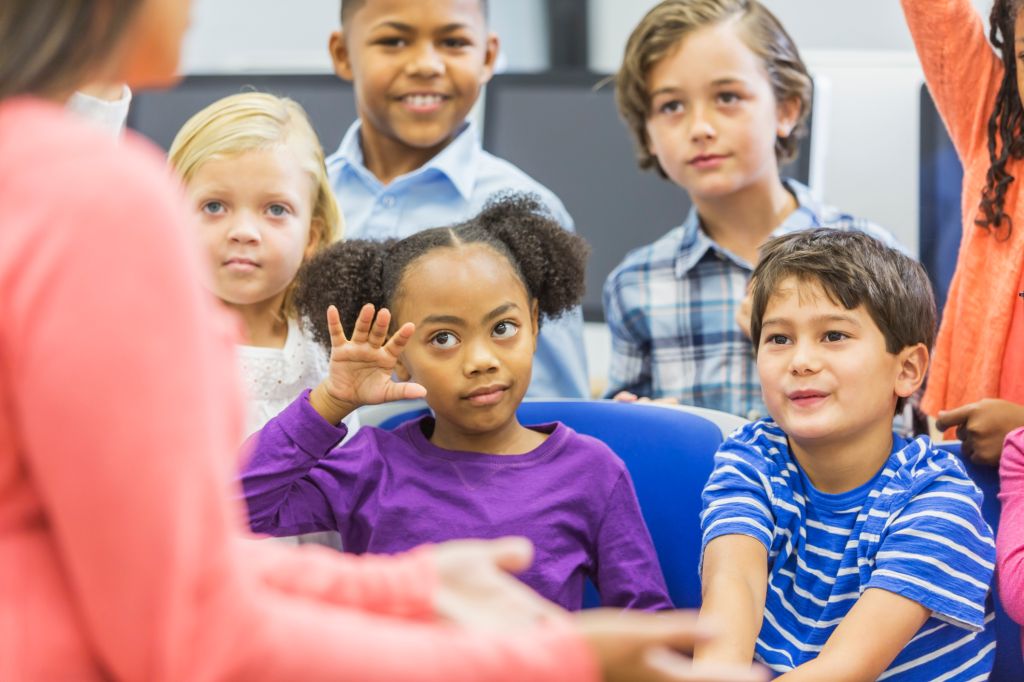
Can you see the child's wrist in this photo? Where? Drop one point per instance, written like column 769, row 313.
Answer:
column 328, row 406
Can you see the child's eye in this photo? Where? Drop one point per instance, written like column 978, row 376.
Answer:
column 670, row 107
column 728, row 98
column 393, row 41
column 212, row 207
column 505, row 329
column 444, row 340
column 277, row 210
column 834, row 336
column 776, row 339
column 455, row 43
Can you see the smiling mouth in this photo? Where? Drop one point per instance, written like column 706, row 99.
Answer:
column 807, row 398
column 240, row 263
column 423, row 101
column 705, row 159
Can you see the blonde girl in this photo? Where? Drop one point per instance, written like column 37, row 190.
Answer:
column 254, row 174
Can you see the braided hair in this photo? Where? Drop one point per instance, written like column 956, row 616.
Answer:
column 1005, row 138
column 549, row 260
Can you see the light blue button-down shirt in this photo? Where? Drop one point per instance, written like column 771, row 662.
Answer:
column 452, row 187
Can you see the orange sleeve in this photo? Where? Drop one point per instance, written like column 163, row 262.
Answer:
column 962, row 71
column 122, row 377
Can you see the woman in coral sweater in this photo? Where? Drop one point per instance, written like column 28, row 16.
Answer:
column 120, row 554
column 976, row 383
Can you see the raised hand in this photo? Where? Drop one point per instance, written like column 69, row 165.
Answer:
column 361, row 368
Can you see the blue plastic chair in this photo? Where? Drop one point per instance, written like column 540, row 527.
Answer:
column 669, row 454
column 1009, row 666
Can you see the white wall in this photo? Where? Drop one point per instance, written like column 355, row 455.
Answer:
column 229, row 36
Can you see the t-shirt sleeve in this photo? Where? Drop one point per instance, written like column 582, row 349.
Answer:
column 628, row 572
column 286, row 490
column 737, row 499
column 938, row 551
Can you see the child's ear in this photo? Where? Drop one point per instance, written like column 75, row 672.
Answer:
column 339, row 55
column 913, row 367
column 493, row 45
column 787, row 114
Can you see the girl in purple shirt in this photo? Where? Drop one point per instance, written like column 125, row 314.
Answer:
column 457, row 314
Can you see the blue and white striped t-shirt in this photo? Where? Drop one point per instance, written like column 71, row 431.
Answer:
column 915, row 530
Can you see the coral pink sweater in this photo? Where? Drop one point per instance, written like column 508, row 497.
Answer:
column 973, row 357
column 120, row 553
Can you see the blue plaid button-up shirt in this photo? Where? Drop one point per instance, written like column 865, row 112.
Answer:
column 671, row 309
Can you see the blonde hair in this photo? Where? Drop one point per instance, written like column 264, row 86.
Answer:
column 660, row 32
column 253, row 121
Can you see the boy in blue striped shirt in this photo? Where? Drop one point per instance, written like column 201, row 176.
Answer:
column 832, row 548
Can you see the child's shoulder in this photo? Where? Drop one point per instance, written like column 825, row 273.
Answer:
column 761, row 444
column 659, row 254
column 919, row 468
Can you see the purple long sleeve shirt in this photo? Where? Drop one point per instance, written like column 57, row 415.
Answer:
column 389, row 491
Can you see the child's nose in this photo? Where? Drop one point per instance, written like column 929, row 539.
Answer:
column 805, row 359
column 243, row 230
column 425, row 61
column 480, row 358
column 701, row 128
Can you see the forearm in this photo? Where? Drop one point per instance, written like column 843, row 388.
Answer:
column 832, row 668
column 737, row 608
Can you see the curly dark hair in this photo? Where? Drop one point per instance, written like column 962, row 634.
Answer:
column 1005, row 138
column 549, row 260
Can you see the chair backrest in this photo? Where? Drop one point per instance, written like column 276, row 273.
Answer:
column 669, row 455
column 1009, row 666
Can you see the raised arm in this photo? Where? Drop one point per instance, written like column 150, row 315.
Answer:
column 962, row 71
column 1010, row 540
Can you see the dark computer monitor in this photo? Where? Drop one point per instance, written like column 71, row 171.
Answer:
column 941, row 181
column 327, row 99
column 568, row 135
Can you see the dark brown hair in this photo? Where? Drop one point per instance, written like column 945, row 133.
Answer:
column 1005, row 136
column 660, row 32
column 350, row 6
column 51, row 47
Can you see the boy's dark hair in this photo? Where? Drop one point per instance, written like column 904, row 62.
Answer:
column 350, row 6
column 854, row 269
column 1005, row 133
column 550, row 261
column 660, row 32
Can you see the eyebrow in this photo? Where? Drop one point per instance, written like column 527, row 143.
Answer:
column 668, row 89
column 817, row 319
column 409, row 28
column 454, row 319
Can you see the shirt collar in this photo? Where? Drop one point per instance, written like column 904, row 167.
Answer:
column 457, row 161
column 695, row 243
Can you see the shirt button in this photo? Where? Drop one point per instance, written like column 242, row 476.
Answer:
column 754, row 415
column 387, row 201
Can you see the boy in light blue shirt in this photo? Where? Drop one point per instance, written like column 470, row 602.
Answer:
column 413, row 161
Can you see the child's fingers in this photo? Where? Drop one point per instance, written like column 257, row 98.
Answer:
column 399, row 339
column 379, row 330
column 954, row 417
column 334, row 327
column 361, row 331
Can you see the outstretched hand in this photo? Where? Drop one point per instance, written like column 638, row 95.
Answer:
column 982, row 426
column 361, row 367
